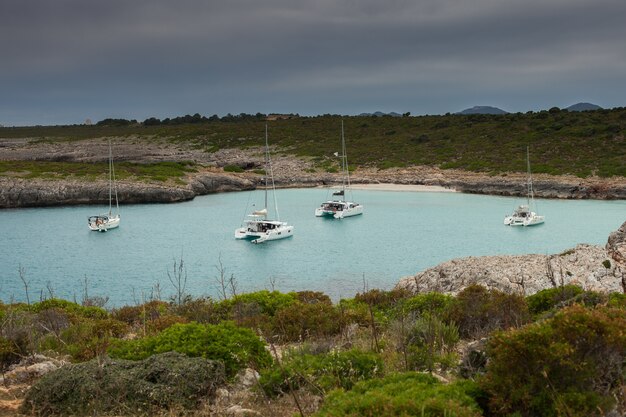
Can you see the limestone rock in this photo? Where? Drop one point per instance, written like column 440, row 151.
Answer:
column 523, row 274
column 616, row 245
column 248, row 378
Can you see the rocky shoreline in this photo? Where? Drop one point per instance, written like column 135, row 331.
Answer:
column 290, row 171
column 593, row 268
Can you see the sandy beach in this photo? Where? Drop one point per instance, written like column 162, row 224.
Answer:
column 401, row 187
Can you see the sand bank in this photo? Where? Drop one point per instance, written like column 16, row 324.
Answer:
column 401, row 187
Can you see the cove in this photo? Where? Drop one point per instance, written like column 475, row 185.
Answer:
column 400, row 234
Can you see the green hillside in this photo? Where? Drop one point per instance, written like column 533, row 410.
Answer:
column 561, row 142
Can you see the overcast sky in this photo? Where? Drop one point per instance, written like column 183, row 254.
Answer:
column 65, row 61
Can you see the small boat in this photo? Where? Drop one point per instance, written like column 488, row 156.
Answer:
column 104, row 222
column 257, row 227
column 523, row 215
column 340, row 208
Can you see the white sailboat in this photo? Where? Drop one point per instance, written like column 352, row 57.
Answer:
column 340, row 207
column 104, row 222
column 523, row 214
column 257, row 227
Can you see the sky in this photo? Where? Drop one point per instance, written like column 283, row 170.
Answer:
column 66, row 61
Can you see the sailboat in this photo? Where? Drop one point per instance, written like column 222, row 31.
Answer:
column 104, row 222
column 340, row 207
column 523, row 214
column 257, row 227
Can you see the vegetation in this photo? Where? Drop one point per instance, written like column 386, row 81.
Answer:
column 560, row 352
column 234, row 346
column 169, row 381
column 570, row 365
column 561, row 142
column 158, row 171
column 407, row 394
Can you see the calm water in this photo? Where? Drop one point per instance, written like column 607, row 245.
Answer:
column 400, row 234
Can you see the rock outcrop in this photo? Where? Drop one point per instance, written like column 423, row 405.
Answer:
column 17, row 192
column 585, row 266
column 616, row 246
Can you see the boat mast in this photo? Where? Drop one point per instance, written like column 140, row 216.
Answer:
column 110, row 176
column 269, row 165
column 112, row 183
column 345, row 165
column 530, row 196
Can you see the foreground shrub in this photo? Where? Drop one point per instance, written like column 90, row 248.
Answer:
column 432, row 303
column 236, row 347
column 323, row 372
column 406, row 394
column 71, row 308
column 431, row 343
column 546, row 300
column 478, row 311
column 572, row 364
column 169, row 381
column 299, row 321
column 142, row 314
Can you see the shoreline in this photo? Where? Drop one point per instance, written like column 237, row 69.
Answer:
column 395, row 187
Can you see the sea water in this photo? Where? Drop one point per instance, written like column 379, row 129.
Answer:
column 401, row 233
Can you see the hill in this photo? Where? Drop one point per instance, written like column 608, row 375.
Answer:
column 583, row 107
column 483, row 110
column 561, row 142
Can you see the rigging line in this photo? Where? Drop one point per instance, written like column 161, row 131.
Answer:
column 246, row 210
column 269, row 162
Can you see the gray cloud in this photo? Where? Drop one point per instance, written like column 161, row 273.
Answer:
column 67, row 60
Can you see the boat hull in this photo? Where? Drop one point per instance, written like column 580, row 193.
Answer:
column 531, row 219
column 282, row 232
column 104, row 224
column 339, row 210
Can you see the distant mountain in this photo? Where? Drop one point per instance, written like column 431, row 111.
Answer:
column 583, row 107
column 483, row 110
column 379, row 114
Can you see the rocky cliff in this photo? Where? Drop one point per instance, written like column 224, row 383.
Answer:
column 593, row 268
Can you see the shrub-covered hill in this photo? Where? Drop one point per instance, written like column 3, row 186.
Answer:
column 561, row 142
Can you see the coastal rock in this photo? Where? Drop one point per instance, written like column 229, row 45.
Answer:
column 212, row 183
column 522, row 274
column 30, row 368
column 616, row 245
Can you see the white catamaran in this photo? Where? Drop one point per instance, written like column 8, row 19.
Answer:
column 341, row 208
column 257, row 227
column 104, row 222
column 523, row 214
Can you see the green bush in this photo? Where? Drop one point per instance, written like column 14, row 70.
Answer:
column 233, row 168
column 268, row 302
column 236, row 347
column 85, row 339
column 478, row 311
column 300, row 321
column 546, row 300
column 323, row 372
column 432, row 303
column 406, row 394
column 570, row 365
column 431, row 342
column 70, row 308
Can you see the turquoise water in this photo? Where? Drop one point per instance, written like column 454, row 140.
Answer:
column 400, row 234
